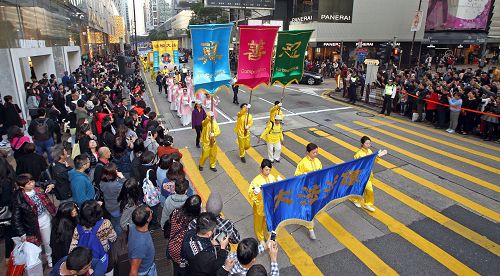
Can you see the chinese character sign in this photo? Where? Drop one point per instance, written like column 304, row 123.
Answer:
column 211, row 56
column 302, row 197
column 255, row 53
column 289, row 59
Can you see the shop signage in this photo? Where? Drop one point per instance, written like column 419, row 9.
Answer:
column 331, row 11
column 254, row 4
column 329, row 44
column 31, row 43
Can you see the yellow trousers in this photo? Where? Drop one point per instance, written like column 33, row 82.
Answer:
column 208, row 151
column 368, row 196
column 259, row 225
column 244, row 144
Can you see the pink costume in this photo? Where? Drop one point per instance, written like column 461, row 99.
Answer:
column 208, row 105
column 170, row 84
column 185, row 108
column 175, row 92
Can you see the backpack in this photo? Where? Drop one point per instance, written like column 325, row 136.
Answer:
column 151, row 192
column 41, row 130
column 89, row 239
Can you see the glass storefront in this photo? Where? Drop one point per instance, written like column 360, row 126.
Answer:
column 52, row 22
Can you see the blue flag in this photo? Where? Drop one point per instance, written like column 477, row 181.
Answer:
column 211, row 56
column 302, row 197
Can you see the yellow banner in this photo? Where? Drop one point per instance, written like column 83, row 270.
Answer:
column 155, row 45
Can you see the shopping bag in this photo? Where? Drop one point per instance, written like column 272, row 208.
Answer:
column 12, row 269
column 18, row 254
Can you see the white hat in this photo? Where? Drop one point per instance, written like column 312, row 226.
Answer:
column 278, row 117
column 89, row 105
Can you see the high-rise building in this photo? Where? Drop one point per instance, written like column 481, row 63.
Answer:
column 158, row 12
column 140, row 14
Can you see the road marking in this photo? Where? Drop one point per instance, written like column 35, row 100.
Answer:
column 298, row 257
column 192, row 171
column 427, row 161
column 397, row 227
column 364, row 254
column 303, row 90
column 224, row 115
column 420, row 207
column 150, row 93
column 267, row 117
column 433, row 149
column 478, row 208
column 446, row 143
column 420, row 242
column 273, row 104
column 412, row 124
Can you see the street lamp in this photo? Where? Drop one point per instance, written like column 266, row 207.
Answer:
column 135, row 27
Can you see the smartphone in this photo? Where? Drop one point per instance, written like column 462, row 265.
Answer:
column 220, row 237
column 273, row 236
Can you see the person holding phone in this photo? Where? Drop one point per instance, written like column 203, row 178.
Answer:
column 205, row 253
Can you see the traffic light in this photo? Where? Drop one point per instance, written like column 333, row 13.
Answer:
column 396, row 51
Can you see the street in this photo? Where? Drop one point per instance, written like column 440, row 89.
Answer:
column 436, row 194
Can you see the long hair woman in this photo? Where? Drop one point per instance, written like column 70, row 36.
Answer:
column 63, row 226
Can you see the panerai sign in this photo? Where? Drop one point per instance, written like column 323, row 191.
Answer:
column 336, row 11
column 31, row 43
column 332, row 11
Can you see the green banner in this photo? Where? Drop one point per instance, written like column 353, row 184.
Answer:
column 289, row 60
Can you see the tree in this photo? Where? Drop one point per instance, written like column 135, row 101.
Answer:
column 203, row 15
column 155, row 34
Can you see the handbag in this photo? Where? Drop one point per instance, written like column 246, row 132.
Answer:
column 5, row 215
column 75, row 151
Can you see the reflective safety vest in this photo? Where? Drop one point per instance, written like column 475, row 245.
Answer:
column 388, row 89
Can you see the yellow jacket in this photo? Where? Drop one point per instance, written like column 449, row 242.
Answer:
column 205, row 133
column 239, row 128
column 273, row 133
column 256, row 199
column 307, row 165
column 275, row 110
column 164, row 72
column 364, row 152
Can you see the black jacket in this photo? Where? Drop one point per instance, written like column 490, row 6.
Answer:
column 24, row 219
column 32, row 127
column 59, row 173
column 12, row 115
column 207, row 262
column 31, row 163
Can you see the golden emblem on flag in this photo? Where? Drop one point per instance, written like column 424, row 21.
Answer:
column 255, row 50
column 210, row 52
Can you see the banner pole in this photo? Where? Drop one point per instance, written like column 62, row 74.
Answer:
column 248, row 112
column 212, row 120
column 282, row 94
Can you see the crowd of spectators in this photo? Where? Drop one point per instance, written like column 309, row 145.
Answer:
column 94, row 171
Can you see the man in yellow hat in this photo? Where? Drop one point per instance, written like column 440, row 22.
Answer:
column 273, row 135
column 276, row 110
column 242, row 129
column 210, row 131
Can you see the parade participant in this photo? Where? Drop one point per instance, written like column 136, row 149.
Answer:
column 209, row 144
column 197, row 116
column 185, row 107
column 159, row 80
column 273, row 135
column 308, row 164
column 368, row 196
column 174, row 96
column 207, row 102
column 170, row 87
column 190, row 85
column 255, row 194
column 242, row 129
column 178, row 99
column 276, row 110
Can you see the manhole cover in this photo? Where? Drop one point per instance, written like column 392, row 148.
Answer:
column 328, row 120
column 303, row 103
column 365, row 114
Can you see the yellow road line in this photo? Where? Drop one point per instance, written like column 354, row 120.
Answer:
column 433, row 149
column 479, row 208
column 412, row 124
column 446, row 143
column 364, row 254
column 150, row 93
column 423, row 244
column 395, row 226
column 298, row 257
column 418, row 206
column 191, row 168
column 427, row 161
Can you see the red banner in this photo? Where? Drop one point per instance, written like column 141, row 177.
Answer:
column 255, row 53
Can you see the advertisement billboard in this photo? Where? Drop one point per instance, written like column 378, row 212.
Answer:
column 252, row 4
column 331, row 11
column 458, row 15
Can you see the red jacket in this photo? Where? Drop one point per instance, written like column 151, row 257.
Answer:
column 435, row 98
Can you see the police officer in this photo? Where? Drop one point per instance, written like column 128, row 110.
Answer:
column 389, row 94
